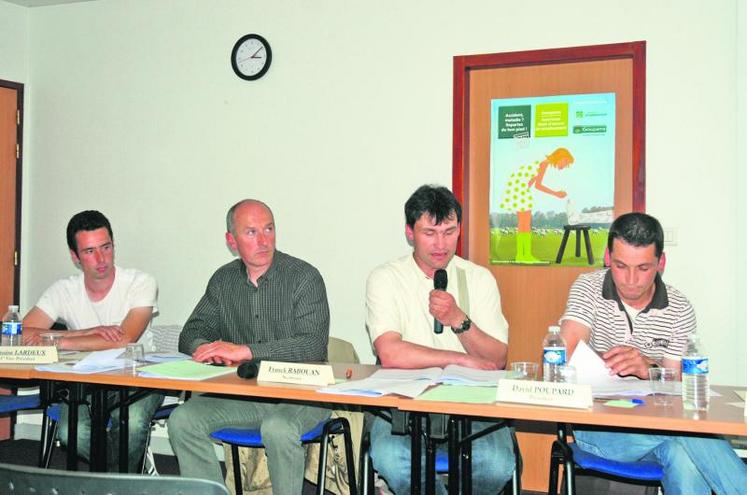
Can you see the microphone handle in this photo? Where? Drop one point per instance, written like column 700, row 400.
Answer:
column 438, row 327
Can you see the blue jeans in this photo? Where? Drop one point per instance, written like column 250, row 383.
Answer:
column 493, row 459
column 140, row 414
column 281, row 425
column 692, row 465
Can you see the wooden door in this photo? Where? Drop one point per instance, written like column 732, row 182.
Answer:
column 11, row 106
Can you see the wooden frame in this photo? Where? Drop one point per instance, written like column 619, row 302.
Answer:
column 534, row 297
column 465, row 69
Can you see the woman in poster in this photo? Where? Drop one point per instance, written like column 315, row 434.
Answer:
column 518, row 198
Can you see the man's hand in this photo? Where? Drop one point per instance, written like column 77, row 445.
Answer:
column 444, row 308
column 477, row 363
column 624, row 360
column 220, row 352
column 112, row 333
column 31, row 336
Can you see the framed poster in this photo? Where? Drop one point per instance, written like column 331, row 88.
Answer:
column 518, row 109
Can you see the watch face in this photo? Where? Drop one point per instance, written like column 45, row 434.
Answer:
column 251, row 57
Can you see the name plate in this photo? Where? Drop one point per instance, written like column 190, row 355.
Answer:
column 28, row 354
column 545, row 393
column 296, row 373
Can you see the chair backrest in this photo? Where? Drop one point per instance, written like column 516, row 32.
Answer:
column 166, row 337
column 341, row 351
column 25, row 479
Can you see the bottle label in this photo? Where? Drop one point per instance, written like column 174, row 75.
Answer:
column 695, row 366
column 11, row 328
column 554, row 355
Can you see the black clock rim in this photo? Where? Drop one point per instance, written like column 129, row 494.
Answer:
column 235, row 50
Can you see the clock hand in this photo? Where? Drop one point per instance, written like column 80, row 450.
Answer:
column 246, row 59
column 255, row 53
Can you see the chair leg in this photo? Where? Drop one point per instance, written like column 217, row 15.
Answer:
column 236, row 470
column 321, row 471
column 50, row 442
column 348, row 439
column 555, row 457
column 589, row 253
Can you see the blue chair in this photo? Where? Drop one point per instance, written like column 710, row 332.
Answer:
column 14, row 403
column 249, row 437
column 574, row 459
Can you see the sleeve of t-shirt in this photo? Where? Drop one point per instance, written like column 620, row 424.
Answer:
column 382, row 312
column 579, row 307
column 51, row 301
column 143, row 292
column 485, row 306
column 685, row 326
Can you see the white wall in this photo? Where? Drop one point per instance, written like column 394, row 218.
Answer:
column 136, row 112
column 741, row 174
column 13, row 42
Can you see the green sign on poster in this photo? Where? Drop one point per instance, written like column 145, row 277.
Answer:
column 514, row 120
column 552, row 120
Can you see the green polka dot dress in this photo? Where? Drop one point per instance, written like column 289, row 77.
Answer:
column 517, row 195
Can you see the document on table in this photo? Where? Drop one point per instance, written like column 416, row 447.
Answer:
column 590, row 369
column 184, row 370
column 94, row 362
column 411, row 383
column 460, row 393
column 164, row 357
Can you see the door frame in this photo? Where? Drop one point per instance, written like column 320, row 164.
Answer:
column 18, row 87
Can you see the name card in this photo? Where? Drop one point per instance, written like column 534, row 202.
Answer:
column 28, row 354
column 296, row 373
column 545, row 393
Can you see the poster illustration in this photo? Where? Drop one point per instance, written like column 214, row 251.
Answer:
column 552, row 173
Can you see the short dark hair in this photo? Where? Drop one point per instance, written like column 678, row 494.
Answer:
column 436, row 201
column 637, row 229
column 86, row 220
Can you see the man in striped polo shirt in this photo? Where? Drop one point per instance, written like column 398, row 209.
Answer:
column 635, row 321
column 264, row 305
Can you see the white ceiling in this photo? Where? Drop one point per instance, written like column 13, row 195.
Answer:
column 42, row 3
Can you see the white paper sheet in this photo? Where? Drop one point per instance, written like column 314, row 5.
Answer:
column 94, row 362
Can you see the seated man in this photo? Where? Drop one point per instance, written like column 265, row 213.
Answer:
column 402, row 306
column 264, row 305
column 635, row 321
column 103, row 307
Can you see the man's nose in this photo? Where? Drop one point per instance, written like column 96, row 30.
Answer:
column 98, row 255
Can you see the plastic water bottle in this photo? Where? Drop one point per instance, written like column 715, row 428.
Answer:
column 12, row 326
column 553, row 355
column 695, row 376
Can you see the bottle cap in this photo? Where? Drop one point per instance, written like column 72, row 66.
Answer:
column 554, row 329
column 13, row 307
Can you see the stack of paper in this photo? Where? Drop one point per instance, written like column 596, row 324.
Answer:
column 590, row 369
column 411, row 383
column 94, row 362
column 184, row 370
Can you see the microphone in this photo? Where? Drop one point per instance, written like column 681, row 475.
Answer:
column 440, row 280
column 249, row 369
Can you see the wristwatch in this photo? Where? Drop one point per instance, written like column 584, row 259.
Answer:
column 466, row 325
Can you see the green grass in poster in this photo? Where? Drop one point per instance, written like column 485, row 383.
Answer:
column 545, row 245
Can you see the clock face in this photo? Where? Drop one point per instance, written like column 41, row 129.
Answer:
column 251, row 57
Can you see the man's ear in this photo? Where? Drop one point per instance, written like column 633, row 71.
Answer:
column 74, row 257
column 231, row 241
column 409, row 233
column 662, row 262
column 607, row 260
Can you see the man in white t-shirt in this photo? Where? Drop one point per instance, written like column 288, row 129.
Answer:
column 103, row 307
column 401, row 308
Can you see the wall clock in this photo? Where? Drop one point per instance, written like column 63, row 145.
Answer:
column 251, row 57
